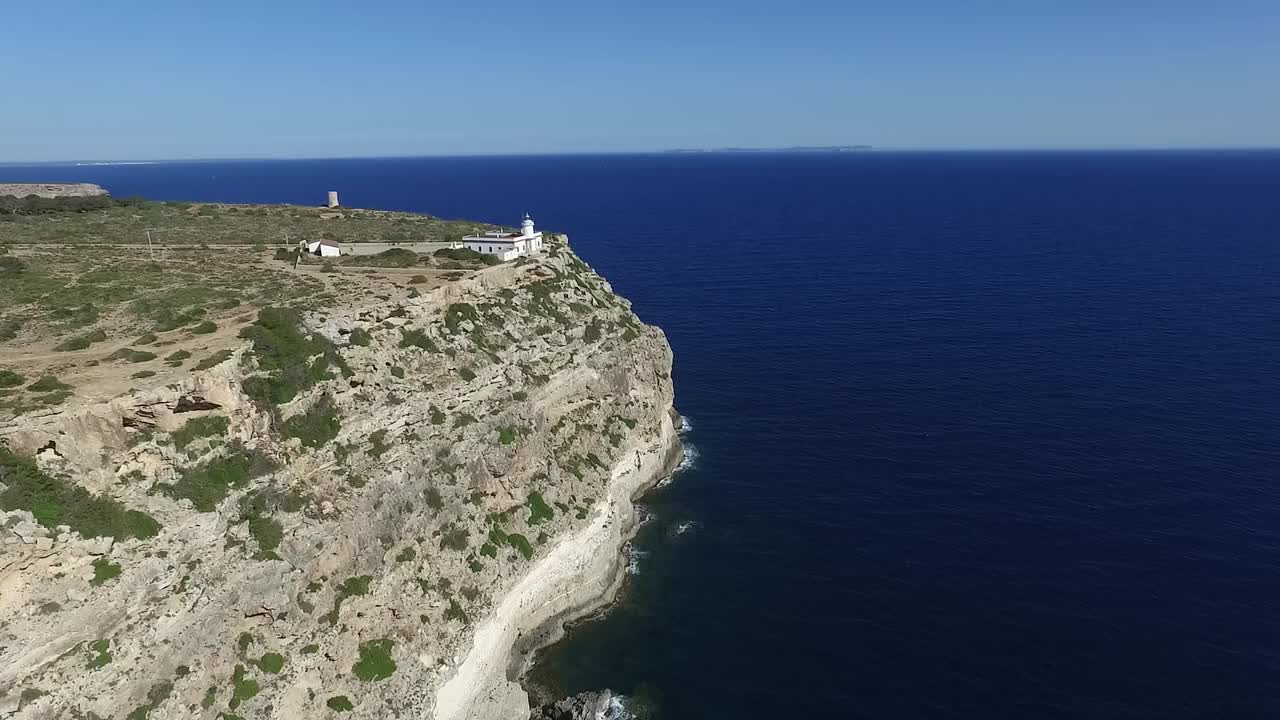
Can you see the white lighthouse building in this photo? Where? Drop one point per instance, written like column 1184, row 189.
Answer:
column 507, row 246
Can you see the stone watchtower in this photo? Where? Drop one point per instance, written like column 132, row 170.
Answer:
column 333, row 198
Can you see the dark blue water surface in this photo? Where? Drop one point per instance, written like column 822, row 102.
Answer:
column 979, row 435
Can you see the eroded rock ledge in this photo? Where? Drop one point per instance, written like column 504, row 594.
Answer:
column 374, row 546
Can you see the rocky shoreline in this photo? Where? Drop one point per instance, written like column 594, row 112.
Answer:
column 580, row 575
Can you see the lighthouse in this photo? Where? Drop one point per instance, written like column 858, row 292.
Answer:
column 507, row 245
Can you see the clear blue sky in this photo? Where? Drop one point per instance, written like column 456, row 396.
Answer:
column 277, row 78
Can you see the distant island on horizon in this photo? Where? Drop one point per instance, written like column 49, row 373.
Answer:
column 793, row 149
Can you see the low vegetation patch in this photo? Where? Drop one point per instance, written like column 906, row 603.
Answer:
column 508, row 434
column 103, row 571
column 375, row 661
column 455, row 612
column 54, row 501
column 466, row 255
column 292, row 359
column 271, row 663
column 243, row 687
column 317, row 426
column 48, row 383
column 9, row 378
column 213, row 360
column 378, row 443
column 454, row 539
column 101, row 650
column 394, row 257
column 351, row 587
column 80, row 342
column 133, row 356
column 416, row 338
column 339, row 703
column 208, row 484
column 539, row 510
column 359, row 337
column 210, row 426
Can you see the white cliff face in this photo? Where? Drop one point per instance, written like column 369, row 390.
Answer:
column 490, row 436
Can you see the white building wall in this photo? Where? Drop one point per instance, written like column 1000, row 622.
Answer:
column 315, row 248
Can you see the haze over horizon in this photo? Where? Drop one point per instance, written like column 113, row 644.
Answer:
column 329, row 80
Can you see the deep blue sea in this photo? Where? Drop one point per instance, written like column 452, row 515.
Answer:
column 977, row 435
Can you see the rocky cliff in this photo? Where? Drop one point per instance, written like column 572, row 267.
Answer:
column 367, row 511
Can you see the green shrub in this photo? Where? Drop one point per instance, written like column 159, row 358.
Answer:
column 102, row 648
column 397, row 372
column 467, row 255
column 455, row 612
column 9, row 329
column 359, row 337
column 146, row 339
column 378, row 443
column 242, row 687
column 351, row 587
column 521, row 543
column 395, row 257
column 454, row 539
column 213, row 360
column 267, row 532
column 539, row 510
column 175, row 359
column 271, row 663
column 210, row 426
column 133, row 356
column 417, row 279
column 317, row 426
column 104, row 570
column 48, row 383
column 434, row 500
column 507, row 434
column 311, row 649
column 208, row 484
column 418, row 339
column 143, row 374
column 339, row 703
column 292, row 360
column 55, row 502
column 375, row 661
column 459, row 312
column 467, row 374
column 406, row 555
column 204, row 328
column 9, row 378
column 80, row 342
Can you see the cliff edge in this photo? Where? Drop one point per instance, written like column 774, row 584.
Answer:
column 364, row 508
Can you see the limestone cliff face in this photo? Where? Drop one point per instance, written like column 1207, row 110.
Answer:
column 482, row 430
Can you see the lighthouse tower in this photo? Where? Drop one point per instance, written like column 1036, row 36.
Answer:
column 526, row 227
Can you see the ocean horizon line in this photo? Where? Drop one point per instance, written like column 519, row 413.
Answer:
column 676, row 152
